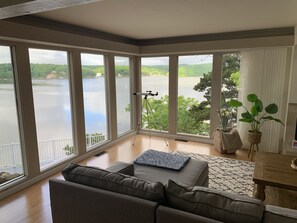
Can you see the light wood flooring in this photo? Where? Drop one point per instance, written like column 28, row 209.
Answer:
column 33, row 204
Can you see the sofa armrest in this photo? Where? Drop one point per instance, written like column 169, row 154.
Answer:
column 274, row 214
column 169, row 215
column 121, row 167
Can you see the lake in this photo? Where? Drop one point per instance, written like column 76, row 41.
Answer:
column 52, row 105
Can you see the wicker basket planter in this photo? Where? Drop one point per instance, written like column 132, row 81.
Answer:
column 254, row 137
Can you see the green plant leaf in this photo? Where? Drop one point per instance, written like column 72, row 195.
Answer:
column 271, row 109
column 235, row 103
column 259, row 105
column 254, row 110
column 271, row 118
column 252, row 97
column 279, row 121
column 268, row 118
column 247, row 115
column 248, row 120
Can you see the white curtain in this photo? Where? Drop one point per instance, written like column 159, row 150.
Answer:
column 264, row 72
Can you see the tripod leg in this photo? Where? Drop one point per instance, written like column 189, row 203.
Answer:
column 147, row 116
column 155, row 119
column 137, row 128
column 138, row 124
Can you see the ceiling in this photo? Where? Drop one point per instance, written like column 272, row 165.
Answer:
column 148, row 19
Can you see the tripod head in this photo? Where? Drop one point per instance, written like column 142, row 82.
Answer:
column 146, row 94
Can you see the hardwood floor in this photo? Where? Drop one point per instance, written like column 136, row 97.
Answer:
column 33, row 204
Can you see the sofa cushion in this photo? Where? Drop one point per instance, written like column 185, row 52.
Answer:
column 275, row 214
column 211, row 203
column 171, row 215
column 121, row 167
column 116, row 182
column 195, row 173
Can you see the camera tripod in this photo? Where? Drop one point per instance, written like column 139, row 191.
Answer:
column 148, row 109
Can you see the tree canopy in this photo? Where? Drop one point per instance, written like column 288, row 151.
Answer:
column 41, row 71
column 229, row 90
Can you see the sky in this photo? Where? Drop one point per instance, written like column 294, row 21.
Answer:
column 4, row 54
column 60, row 57
column 193, row 59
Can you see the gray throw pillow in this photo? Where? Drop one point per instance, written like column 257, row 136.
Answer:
column 214, row 204
column 116, row 182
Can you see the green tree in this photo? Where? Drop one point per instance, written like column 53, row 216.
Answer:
column 157, row 117
column 155, row 113
column 230, row 82
column 69, row 150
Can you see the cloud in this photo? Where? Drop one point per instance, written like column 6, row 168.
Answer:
column 192, row 59
column 5, row 54
column 195, row 59
column 48, row 56
column 91, row 59
column 155, row 61
column 122, row 61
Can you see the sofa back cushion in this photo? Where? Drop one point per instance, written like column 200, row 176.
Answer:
column 116, row 182
column 214, row 204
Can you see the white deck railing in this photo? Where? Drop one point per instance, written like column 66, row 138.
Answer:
column 49, row 152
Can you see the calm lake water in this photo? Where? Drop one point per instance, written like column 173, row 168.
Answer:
column 52, row 105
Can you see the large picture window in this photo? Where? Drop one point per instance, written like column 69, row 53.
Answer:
column 155, row 78
column 123, row 94
column 230, row 87
column 93, row 76
column 11, row 162
column 194, row 94
column 50, row 82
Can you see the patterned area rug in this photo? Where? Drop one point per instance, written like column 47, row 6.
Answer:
column 228, row 174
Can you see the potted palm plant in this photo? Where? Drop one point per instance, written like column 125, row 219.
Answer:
column 256, row 116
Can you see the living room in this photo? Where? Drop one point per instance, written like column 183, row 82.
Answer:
column 265, row 46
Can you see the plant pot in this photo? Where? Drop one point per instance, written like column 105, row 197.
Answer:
column 254, row 137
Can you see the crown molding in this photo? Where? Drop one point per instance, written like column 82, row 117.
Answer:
column 275, row 32
column 64, row 27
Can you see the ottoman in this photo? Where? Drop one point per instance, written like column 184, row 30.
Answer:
column 195, row 173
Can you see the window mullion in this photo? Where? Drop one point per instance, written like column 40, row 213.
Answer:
column 173, row 86
column 77, row 102
column 26, row 110
column 215, row 91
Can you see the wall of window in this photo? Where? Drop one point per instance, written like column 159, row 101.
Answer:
column 51, row 94
column 11, row 161
column 203, row 85
column 94, row 95
column 123, row 94
column 150, row 78
column 155, row 78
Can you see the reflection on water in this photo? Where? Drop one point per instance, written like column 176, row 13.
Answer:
column 53, row 106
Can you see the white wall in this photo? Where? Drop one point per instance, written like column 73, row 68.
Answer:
column 292, row 103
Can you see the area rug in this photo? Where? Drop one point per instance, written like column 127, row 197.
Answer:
column 226, row 174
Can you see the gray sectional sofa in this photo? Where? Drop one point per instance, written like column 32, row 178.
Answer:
column 130, row 193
